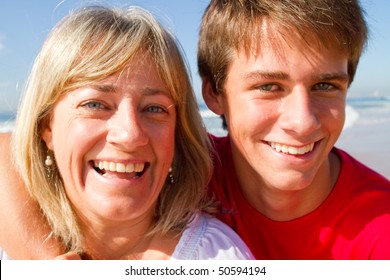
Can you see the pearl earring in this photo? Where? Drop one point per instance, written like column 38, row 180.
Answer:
column 49, row 166
column 48, row 161
column 170, row 175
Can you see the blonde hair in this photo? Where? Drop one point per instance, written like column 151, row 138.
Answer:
column 89, row 45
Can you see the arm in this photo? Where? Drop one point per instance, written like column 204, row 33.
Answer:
column 23, row 230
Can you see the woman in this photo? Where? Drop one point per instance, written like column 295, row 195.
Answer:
column 109, row 142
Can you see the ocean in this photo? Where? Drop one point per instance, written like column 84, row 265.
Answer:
column 7, row 121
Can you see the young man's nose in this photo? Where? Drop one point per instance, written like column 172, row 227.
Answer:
column 298, row 113
column 127, row 130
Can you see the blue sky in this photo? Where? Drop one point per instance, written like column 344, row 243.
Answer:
column 24, row 24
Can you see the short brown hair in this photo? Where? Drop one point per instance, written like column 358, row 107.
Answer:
column 232, row 25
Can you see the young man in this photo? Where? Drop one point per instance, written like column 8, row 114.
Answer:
column 278, row 71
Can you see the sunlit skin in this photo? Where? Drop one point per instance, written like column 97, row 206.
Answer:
column 284, row 105
column 125, row 121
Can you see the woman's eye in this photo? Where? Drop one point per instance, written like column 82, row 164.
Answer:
column 95, row 105
column 156, row 109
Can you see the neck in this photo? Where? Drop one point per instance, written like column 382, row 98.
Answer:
column 280, row 204
column 117, row 240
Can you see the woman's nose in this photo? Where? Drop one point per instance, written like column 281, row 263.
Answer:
column 126, row 129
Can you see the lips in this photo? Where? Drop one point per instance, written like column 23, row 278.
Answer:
column 134, row 169
column 291, row 150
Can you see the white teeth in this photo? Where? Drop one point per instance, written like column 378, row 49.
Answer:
column 112, row 166
column 291, row 149
column 129, row 168
column 119, row 167
column 138, row 167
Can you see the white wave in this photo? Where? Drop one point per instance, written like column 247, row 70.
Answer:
column 7, row 126
column 351, row 116
column 206, row 113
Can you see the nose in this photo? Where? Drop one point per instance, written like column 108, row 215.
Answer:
column 126, row 129
column 298, row 113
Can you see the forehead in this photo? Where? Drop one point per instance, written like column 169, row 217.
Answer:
column 140, row 69
column 140, row 66
column 140, row 74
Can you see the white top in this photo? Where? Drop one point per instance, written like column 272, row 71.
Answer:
column 3, row 255
column 205, row 238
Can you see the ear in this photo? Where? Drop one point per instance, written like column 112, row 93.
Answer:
column 212, row 99
column 47, row 135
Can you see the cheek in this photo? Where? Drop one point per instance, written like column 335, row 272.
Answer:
column 72, row 141
column 161, row 138
column 166, row 142
column 337, row 121
column 251, row 114
column 332, row 114
column 71, row 135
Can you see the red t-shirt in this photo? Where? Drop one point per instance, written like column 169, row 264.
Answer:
column 352, row 223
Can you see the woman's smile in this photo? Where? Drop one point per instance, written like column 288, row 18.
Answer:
column 111, row 168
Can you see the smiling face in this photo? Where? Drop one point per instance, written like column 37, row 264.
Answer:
column 284, row 106
column 114, row 143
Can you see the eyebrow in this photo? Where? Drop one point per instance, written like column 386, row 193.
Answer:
column 266, row 75
column 147, row 91
column 339, row 76
column 153, row 91
column 105, row 88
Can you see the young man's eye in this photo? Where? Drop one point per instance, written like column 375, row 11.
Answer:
column 268, row 91
column 268, row 87
column 324, row 86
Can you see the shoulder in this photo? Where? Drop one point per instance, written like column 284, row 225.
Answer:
column 5, row 137
column 364, row 189
column 353, row 170
column 365, row 206
column 5, row 151
column 207, row 238
column 5, row 142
